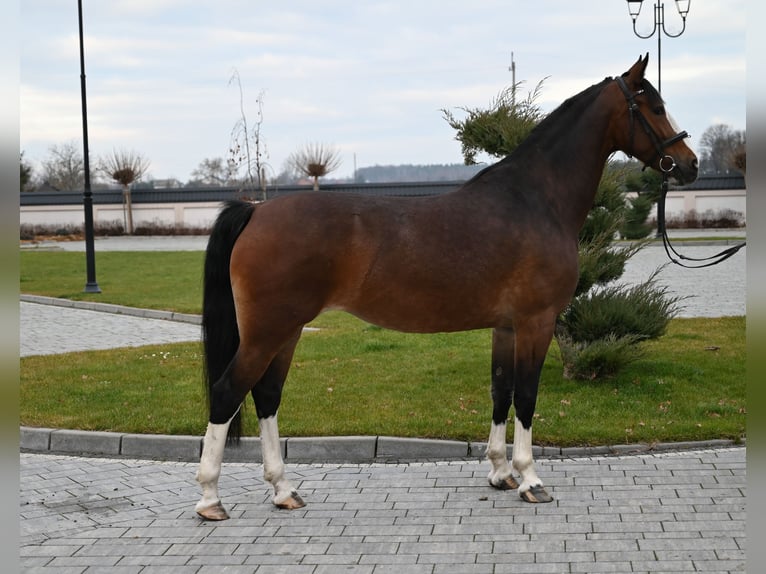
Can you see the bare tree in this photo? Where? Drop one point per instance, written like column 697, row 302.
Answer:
column 25, row 174
column 722, row 150
column 738, row 156
column 64, row 169
column 214, row 171
column 315, row 160
column 125, row 167
column 247, row 146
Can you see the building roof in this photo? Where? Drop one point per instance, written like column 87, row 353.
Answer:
column 715, row 182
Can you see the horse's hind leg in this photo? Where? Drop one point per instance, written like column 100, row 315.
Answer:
column 225, row 401
column 267, row 395
column 251, row 363
column 210, row 506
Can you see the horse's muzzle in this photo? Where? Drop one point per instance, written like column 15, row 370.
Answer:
column 685, row 172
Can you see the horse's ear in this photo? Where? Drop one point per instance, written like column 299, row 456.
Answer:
column 635, row 76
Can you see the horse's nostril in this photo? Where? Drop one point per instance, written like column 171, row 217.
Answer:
column 695, row 163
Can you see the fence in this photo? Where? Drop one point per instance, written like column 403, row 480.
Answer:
column 197, row 207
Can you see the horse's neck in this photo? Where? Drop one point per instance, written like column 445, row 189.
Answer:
column 567, row 165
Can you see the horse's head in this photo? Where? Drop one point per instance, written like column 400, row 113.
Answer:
column 645, row 130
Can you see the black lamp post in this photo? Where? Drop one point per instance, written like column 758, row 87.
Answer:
column 634, row 7
column 91, row 286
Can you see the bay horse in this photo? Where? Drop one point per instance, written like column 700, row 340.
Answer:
column 498, row 253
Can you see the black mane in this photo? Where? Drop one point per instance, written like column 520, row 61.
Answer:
column 575, row 103
column 578, row 102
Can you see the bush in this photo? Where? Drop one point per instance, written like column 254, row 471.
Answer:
column 109, row 228
column 599, row 331
column 644, row 310
column 29, row 232
column 597, row 359
column 159, row 228
column 721, row 219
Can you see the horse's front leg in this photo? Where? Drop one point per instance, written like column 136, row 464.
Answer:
column 532, row 342
column 502, row 395
column 531, row 488
column 285, row 495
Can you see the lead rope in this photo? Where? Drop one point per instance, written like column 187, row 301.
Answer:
column 662, row 230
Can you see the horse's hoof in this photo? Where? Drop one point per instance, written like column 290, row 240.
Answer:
column 292, row 502
column 536, row 495
column 508, row 483
column 216, row 512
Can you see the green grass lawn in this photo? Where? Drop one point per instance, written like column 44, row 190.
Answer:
column 352, row 378
column 167, row 280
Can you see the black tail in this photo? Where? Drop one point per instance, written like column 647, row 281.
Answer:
column 219, row 321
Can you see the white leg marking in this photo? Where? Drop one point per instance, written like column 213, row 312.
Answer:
column 522, row 457
column 274, row 467
column 210, row 466
column 497, row 455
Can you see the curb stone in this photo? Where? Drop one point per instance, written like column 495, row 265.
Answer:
column 344, row 449
column 115, row 309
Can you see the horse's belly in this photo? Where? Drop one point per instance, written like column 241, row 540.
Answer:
column 419, row 322
column 418, row 309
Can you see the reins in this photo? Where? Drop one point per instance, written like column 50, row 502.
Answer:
column 667, row 164
column 697, row 262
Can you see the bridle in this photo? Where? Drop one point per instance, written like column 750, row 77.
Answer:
column 666, row 164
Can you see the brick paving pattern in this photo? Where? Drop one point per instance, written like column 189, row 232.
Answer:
column 670, row 512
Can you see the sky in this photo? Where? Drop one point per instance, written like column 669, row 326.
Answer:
column 367, row 77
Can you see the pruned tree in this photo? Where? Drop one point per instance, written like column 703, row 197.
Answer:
column 315, row 160
column 64, row 169
column 499, row 129
column 125, row 167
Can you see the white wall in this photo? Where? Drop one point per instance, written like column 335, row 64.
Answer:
column 202, row 214
column 198, row 214
column 678, row 203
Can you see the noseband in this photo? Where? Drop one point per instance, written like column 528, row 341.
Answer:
column 666, row 162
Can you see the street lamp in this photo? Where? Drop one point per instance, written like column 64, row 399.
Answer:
column 91, row 286
column 634, row 8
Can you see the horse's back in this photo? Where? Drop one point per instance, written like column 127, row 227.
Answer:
column 352, row 252
column 441, row 263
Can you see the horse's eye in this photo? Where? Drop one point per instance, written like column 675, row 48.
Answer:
column 659, row 111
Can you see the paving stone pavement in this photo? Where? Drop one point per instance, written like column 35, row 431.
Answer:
column 670, row 512
column 47, row 328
